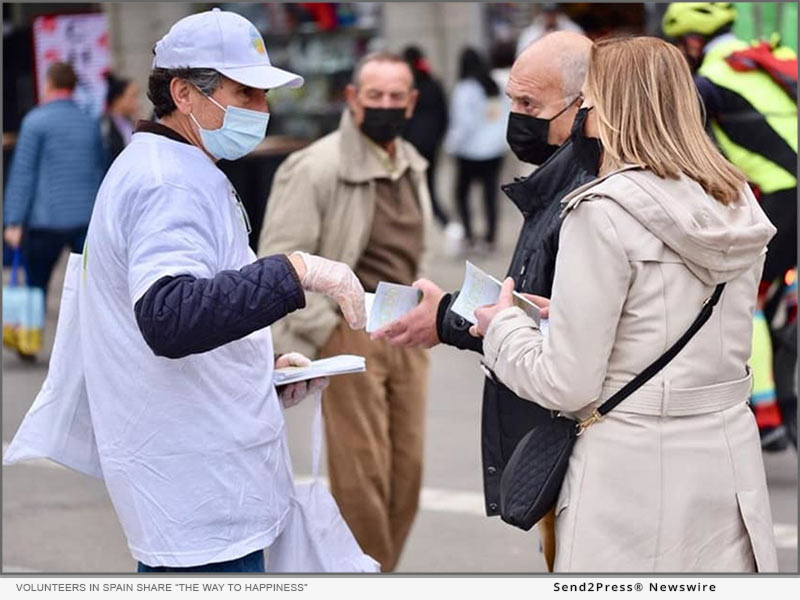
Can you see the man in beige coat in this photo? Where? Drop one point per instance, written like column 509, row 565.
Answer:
column 359, row 196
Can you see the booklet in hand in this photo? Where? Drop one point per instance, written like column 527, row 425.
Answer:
column 326, row 367
column 390, row 302
column 480, row 289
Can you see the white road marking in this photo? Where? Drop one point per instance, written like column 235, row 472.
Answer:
column 466, row 503
column 16, row 569
column 785, row 536
column 472, row 503
column 452, row 501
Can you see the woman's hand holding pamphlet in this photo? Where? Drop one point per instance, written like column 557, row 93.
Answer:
column 481, row 289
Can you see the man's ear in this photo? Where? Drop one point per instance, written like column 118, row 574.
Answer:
column 356, row 110
column 181, row 92
column 412, row 103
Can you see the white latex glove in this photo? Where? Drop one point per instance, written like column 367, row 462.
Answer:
column 337, row 280
column 294, row 393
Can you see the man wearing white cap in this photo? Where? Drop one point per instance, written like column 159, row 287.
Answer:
column 175, row 311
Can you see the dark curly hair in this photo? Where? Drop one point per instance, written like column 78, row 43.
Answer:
column 205, row 80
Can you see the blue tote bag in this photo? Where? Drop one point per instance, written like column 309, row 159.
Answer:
column 23, row 312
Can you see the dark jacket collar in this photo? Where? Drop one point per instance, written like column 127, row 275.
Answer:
column 556, row 177
column 160, row 129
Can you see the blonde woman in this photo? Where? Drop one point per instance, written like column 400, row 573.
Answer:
column 672, row 478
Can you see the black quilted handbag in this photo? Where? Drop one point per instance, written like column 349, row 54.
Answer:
column 532, row 477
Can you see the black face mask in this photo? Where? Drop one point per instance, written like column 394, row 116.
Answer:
column 382, row 125
column 587, row 150
column 527, row 136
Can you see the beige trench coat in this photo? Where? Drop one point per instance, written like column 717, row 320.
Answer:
column 672, row 479
column 323, row 202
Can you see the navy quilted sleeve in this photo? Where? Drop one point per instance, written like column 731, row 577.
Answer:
column 183, row 315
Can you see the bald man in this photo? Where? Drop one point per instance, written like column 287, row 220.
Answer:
column 545, row 128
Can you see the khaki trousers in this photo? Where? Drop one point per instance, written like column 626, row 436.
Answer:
column 374, row 431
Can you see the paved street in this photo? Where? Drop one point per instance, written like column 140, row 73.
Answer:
column 55, row 520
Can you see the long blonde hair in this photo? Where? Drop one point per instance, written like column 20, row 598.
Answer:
column 649, row 113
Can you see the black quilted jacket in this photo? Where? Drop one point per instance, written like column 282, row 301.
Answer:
column 183, row 315
column 506, row 418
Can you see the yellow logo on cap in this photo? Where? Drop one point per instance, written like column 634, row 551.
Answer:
column 258, row 43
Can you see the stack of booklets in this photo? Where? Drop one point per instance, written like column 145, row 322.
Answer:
column 326, row 367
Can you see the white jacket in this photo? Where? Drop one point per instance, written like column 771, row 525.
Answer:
column 478, row 123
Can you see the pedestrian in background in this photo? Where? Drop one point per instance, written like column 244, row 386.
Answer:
column 55, row 173
column 427, row 126
column 477, row 138
column 549, row 19
column 360, row 196
column 119, row 119
column 752, row 115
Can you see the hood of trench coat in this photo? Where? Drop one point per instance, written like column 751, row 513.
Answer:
column 717, row 242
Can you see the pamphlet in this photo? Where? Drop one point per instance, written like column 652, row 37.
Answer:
column 390, row 302
column 480, row 289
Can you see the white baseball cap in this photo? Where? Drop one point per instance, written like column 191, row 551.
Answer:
column 226, row 42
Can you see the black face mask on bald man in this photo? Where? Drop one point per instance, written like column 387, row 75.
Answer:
column 527, row 136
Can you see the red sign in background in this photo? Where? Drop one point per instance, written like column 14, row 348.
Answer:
column 82, row 41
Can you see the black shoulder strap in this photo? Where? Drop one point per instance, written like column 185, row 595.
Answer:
column 661, row 362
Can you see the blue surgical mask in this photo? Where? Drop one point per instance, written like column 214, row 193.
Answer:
column 242, row 130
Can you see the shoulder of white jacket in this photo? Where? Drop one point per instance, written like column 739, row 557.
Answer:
column 469, row 85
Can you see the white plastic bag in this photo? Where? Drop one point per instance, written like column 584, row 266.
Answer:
column 315, row 538
column 58, row 425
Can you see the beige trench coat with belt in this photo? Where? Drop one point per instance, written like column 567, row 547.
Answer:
column 672, row 479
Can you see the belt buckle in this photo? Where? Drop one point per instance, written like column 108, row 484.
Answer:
column 595, row 417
